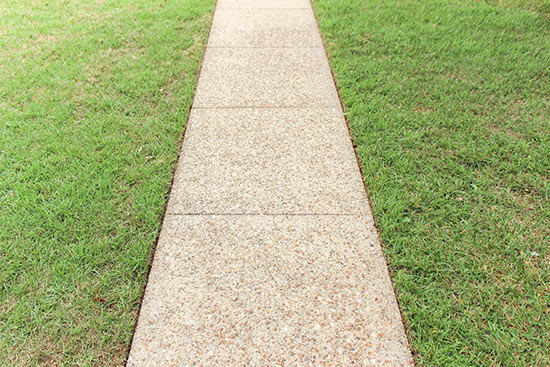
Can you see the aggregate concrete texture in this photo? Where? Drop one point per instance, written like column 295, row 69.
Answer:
column 268, row 254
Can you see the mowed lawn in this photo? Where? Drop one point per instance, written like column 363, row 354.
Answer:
column 94, row 97
column 448, row 103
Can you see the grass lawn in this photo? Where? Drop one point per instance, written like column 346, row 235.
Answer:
column 94, row 97
column 448, row 103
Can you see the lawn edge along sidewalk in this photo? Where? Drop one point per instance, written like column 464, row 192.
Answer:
column 268, row 254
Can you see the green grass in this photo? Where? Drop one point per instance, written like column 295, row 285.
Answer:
column 449, row 106
column 94, row 96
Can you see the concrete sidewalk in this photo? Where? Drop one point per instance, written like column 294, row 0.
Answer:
column 268, row 255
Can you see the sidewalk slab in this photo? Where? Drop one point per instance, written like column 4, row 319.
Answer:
column 268, row 254
column 269, row 291
column 267, row 161
column 264, row 77
column 264, row 28
column 263, row 4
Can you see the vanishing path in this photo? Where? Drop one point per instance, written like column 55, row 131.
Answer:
column 268, row 255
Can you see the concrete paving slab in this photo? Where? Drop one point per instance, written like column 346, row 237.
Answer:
column 263, row 4
column 260, row 77
column 302, row 281
column 267, row 161
column 269, row 291
column 264, row 28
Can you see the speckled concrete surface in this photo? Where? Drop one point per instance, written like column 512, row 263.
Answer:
column 268, row 254
column 263, row 4
column 269, row 291
column 267, row 161
column 264, row 28
column 265, row 77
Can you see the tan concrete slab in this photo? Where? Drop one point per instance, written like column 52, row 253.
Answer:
column 269, row 291
column 267, row 161
column 267, row 136
column 259, row 77
column 263, row 4
column 264, row 28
